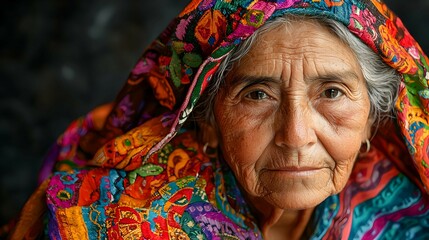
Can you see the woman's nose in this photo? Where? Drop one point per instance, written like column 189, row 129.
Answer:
column 295, row 127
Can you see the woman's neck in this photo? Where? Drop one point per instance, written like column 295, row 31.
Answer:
column 289, row 225
column 276, row 223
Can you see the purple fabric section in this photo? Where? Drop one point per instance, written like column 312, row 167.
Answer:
column 215, row 224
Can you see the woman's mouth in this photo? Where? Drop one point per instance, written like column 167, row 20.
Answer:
column 297, row 171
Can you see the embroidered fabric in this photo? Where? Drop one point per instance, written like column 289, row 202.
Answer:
column 129, row 170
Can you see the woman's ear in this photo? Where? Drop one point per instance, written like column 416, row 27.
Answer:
column 371, row 127
column 368, row 131
column 366, row 137
column 208, row 134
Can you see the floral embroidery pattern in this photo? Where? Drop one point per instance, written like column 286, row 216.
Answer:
column 134, row 173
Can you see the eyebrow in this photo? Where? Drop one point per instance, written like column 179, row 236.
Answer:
column 253, row 80
column 345, row 76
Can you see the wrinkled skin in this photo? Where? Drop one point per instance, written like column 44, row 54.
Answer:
column 291, row 118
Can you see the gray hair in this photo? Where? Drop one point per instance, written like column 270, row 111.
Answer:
column 382, row 81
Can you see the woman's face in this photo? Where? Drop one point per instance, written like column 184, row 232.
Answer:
column 292, row 116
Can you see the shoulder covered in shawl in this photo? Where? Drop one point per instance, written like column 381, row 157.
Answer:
column 130, row 171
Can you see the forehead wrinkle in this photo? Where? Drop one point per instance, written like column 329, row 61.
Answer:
column 338, row 69
column 248, row 80
column 306, row 51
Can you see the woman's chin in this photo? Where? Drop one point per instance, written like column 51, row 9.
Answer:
column 297, row 193
column 295, row 201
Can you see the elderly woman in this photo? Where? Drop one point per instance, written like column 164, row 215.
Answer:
column 250, row 120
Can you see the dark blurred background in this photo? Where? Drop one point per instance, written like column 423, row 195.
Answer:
column 59, row 59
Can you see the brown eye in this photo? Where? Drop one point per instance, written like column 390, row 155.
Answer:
column 257, row 95
column 332, row 93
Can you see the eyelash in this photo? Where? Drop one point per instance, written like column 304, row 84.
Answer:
column 259, row 92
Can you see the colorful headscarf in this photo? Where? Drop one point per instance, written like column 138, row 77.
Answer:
column 176, row 68
column 162, row 90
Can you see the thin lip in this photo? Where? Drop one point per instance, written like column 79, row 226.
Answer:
column 296, row 169
column 296, row 172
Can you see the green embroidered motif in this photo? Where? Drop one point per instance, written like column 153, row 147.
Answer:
column 143, row 171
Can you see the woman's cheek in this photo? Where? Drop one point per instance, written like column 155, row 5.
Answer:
column 235, row 137
column 342, row 173
column 344, row 123
column 243, row 139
